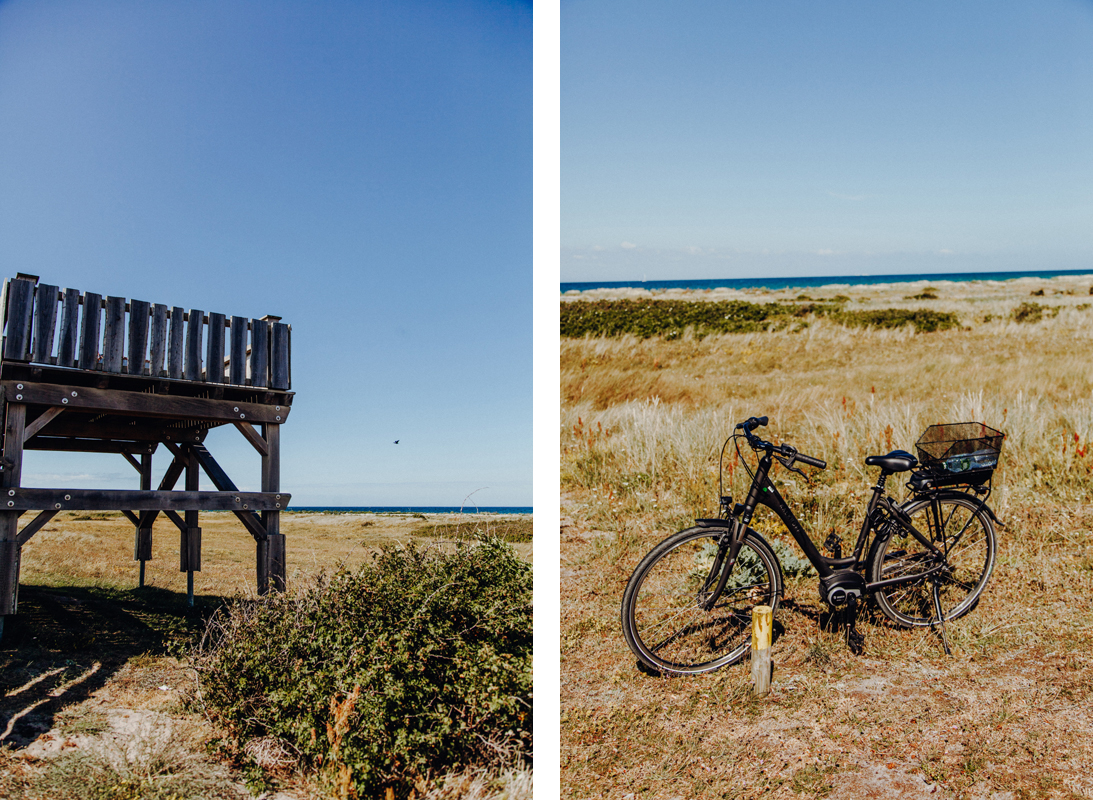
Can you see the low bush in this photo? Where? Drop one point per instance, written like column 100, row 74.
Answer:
column 671, row 318
column 417, row 663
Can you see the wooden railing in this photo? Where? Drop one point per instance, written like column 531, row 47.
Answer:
column 44, row 324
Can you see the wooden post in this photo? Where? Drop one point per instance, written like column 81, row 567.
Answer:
column 189, row 546
column 15, row 415
column 142, row 549
column 762, row 623
column 271, row 551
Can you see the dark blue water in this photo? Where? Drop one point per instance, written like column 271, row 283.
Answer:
column 416, row 509
column 808, row 282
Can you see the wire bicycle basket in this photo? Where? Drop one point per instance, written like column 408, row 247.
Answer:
column 959, row 453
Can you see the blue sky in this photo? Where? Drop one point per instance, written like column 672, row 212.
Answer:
column 726, row 140
column 362, row 169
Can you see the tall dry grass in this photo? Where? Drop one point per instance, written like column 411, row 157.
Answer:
column 643, row 423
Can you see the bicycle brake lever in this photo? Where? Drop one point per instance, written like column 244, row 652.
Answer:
column 788, row 464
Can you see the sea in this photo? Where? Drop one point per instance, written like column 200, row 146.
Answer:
column 414, row 509
column 803, row 282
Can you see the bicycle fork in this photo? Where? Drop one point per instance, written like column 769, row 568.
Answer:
column 723, row 564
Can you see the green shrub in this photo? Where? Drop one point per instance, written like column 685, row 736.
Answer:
column 1030, row 312
column 670, row 318
column 419, row 662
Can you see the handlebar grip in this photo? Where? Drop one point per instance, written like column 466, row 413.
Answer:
column 812, row 462
column 761, row 420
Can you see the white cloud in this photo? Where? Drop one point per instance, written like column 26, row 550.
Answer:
column 627, row 245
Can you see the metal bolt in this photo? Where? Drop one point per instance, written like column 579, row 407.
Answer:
column 11, row 493
column 237, row 408
column 278, row 505
column 74, row 394
column 237, row 499
column 278, row 497
column 18, row 386
column 278, row 417
column 18, row 397
column 58, row 505
column 11, row 503
column 277, row 408
column 242, row 416
column 68, row 497
column 64, row 401
column 245, row 505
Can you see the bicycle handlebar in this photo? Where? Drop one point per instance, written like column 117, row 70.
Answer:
column 785, row 450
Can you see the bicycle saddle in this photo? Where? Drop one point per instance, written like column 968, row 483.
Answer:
column 896, row 461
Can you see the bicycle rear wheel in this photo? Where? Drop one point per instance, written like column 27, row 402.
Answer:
column 663, row 620
column 963, row 533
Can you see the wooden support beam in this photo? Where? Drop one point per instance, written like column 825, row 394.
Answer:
column 70, row 445
column 189, row 546
column 14, row 422
column 135, row 463
column 129, row 515
column 142, row 404
column 179, row 522
column 43, row 419
column 110, row 500
column 253, row 437
column 223, row 483
column 34, row 526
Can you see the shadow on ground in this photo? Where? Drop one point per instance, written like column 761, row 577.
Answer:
column 65, row 643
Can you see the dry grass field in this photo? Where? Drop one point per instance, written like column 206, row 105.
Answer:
column 96, row 695
column 1008, row 715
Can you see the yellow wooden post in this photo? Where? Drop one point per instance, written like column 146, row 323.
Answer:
column 762, row 624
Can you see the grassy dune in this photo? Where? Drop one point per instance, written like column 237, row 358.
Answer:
column 98, row 697
column 643, row 420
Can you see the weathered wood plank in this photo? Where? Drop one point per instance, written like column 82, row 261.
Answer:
column 9, row 519
column 175, row 359
column 45, row 321
column 89, row 331
column 259, row 353
column 279, row 361
column 253, row 437
column 69, row 334
column 43, row 419
column 158, row 348
column 189, row 550
column 34, row 526
column 214, row 356
column 129, row 515
column 142, row 404
column 237, row 366
column 137, row 500
column 20, row 312
column 149, row 429
column 179, row 522
column 113, row 343
column 276, row 558
column 138, row 336
column 66, row 445
column 194, row 330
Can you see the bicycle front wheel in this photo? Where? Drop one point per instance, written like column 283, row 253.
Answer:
column 964, row 535
column 664, row 618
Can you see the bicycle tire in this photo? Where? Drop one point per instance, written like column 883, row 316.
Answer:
column 662, row 621
column 963, row 531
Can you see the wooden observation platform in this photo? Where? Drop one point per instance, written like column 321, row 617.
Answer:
column 83, row 373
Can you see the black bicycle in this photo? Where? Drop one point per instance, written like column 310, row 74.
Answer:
column 687, row 607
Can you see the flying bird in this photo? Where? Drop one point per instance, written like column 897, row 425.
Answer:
column 396, row 441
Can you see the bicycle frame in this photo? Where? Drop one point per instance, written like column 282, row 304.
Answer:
column 763, row 492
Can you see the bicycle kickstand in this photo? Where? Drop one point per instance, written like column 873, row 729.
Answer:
column 855, row 639
column 940, row 617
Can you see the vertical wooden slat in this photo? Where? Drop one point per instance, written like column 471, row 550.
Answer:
column 214, row 356
column 138, row 335
column 159, row 340
column 192, row 371
column 175, row 361
column 89, row 331
column 70, row 318
column 20, row 311
column 279, row 358
column 237, row 370
column 113, row 343
column 45, row 320
column 259, row 353
column 142, row 547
